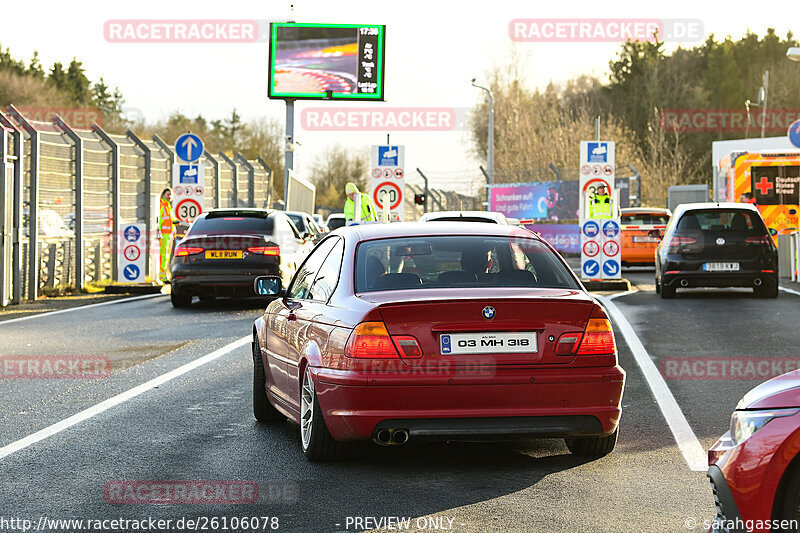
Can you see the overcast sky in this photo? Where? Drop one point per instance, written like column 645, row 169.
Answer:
column 432, row 51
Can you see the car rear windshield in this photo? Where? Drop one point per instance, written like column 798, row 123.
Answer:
column 298, row 222
column 235, row 223
column 644, row 219
column 334, row 223
column 734, row 220
column 458, row 261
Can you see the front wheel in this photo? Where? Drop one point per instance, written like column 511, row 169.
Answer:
column 316, row 440
column 592, row 446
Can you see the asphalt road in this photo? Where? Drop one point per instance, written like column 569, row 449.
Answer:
column 198, row 425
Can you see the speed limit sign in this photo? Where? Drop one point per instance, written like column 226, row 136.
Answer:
column 187, row 210
column 390, row 191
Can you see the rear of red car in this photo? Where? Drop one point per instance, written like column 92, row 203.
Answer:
column 471, row 337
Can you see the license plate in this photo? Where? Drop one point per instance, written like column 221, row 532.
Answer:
column 224, row 254
column 721, row 267
column 642, row 238
column 469, row 343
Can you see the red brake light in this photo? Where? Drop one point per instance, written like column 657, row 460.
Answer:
column 183, row 251
column 677, row 240
column 265, row 250
column 409, row 347
column 763, row 239
column 598, row 338
column 370, row 340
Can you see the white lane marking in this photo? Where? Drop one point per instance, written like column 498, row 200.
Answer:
column 790, row 291
column 617, row 295
column 80, row 307
column 95, row 410
column 690, row 447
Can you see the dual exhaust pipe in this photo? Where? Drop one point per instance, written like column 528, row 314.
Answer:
column 391, row 437
column 756, row 282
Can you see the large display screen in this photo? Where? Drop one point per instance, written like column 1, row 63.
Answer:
column 333, row 61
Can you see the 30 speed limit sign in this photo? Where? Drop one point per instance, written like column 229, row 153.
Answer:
column 188, row 209
column 389, row 192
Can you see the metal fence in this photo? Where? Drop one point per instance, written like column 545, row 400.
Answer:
column 65, row 193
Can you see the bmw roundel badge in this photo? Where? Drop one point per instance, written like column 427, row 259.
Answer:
column 488, row 312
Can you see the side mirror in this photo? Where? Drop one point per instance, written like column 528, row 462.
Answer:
column 267, row 286
column 773, row 231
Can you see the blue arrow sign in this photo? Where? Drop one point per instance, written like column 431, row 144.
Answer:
column 591, row 228
column 189, row 147
column 610, row 267
column 794, row 133
column 131, row 272
column 610, row 229
column 591, row 268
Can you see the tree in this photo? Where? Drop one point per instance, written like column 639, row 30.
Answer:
column 333, row 169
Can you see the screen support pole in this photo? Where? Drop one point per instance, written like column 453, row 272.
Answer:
column 289, row 154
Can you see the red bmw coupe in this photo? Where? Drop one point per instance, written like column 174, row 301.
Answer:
column 454, row 331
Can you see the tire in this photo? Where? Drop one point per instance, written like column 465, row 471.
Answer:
column 658, row 287
column 179, row 299
column 262, row 408
column 667, row 292
column 592, row 446
column 315, row 439
column 766, row 290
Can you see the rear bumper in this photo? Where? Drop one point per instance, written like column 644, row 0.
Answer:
column 508, row 405
column 218, row 282
column 699, row 278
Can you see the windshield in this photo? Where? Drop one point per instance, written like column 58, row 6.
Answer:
column 259, row 225
column 458, row 261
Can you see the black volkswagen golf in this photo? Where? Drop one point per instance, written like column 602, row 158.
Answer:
column 224, row 250
column 717, row 245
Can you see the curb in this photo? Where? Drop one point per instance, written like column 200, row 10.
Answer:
column 133, row 288
column 607, row 285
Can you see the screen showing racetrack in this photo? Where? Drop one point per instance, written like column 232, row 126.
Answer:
column 319, row 61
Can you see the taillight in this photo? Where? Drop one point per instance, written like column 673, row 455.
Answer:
column 598, row 338
column 265, row 250
column 183, row 251
column 371, row 340
column 763, row 239
column 677, row 240
column 409, row 347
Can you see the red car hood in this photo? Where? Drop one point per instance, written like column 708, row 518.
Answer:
column 779, row 392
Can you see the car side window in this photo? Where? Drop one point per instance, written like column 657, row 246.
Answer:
column 328, row 276
column 305, row 276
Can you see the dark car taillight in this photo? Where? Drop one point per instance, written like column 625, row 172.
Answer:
column 763, row 240
column 265, row 250
column 678, row 240
column 183, row 251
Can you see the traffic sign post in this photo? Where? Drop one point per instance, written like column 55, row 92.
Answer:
column 600, row 238
column 132, row 262
column 388, row 183
column 188, row 179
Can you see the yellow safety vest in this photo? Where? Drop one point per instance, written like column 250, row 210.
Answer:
column 165, row 218
column 600, row 206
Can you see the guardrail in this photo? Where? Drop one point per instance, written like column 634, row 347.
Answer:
column 65, row 193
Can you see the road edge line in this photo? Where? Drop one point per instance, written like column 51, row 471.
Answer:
column 790, row 291
column 105, row 405
column 694, row 454
column 50, row 313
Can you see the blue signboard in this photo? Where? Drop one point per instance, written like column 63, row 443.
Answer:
column 610, row 228
column 131, row 233
column 188, row 173
column 445, row 344
column 591, row 228
column 598, row 152
column 388, row 156
column 131, row 272
column 610, row 267
column 189, row 147
column 794, row 133
column 591, row 268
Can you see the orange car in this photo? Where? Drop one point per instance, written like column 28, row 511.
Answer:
column 638, row 246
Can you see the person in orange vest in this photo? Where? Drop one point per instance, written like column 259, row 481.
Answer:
column 166, row 229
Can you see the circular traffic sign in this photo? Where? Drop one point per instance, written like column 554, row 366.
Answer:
column 610, row 248
column 590, row 228
column 131, row 233
column 189, row 147
column 597, row 170
column 198, row 190
column 188, row 209
column 376, row 173
column 398, row 173
column 610, row 228
column 608, row 170
column 132, row 252
column 131, row 272
column 389, row 187
column 387, row 172
column 794, row 133
column 586, row 170
column 591, row 268
column 610, row 267
column 591, row 248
